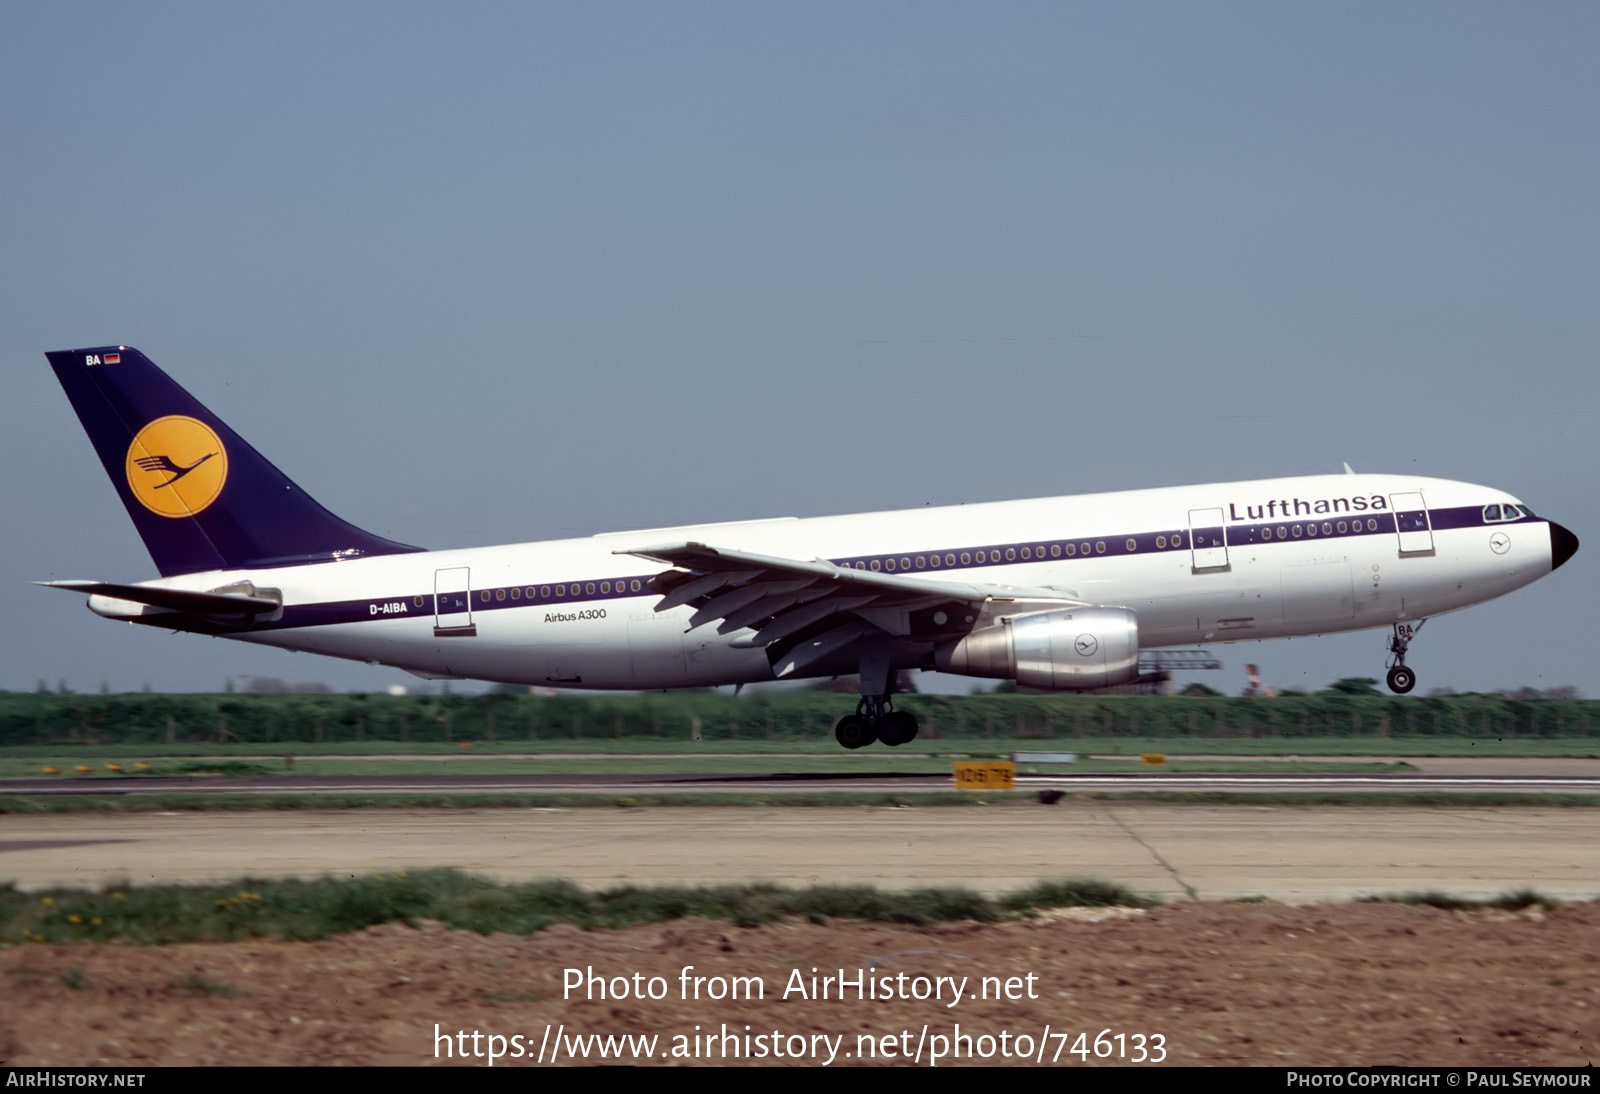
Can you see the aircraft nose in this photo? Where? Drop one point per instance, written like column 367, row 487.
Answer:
column 1563, row 545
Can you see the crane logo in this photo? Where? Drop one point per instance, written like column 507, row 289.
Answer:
column 176, row 466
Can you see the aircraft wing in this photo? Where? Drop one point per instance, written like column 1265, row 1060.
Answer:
column 803, row 611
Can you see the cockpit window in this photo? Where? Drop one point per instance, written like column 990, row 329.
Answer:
column 1494, row 513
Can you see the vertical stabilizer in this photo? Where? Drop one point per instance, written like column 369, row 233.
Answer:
column 201, row 497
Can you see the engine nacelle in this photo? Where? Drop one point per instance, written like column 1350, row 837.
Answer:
column 1075, row 649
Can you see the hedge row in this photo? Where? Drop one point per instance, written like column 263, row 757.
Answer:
column 43, row 719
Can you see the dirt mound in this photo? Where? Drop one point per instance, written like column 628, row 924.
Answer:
column 1218, row 984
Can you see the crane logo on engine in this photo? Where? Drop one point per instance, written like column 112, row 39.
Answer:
column 1086, row 644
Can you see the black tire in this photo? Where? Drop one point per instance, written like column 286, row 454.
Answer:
column 853, row 731
column 1401, row 679
column 897, row 727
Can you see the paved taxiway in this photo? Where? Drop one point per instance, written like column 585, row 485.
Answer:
column 1292, row 853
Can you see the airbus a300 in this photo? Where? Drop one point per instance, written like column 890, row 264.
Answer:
column 1058, row 593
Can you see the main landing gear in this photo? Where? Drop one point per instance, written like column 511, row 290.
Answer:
column 1401, row 679
column 875, row 718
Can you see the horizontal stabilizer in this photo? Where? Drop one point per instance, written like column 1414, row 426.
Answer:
column 174, row 600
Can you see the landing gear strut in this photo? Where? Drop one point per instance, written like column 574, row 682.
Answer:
column 1401, row 679
column 875, row 718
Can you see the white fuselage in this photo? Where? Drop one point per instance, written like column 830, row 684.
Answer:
column 1282, row 557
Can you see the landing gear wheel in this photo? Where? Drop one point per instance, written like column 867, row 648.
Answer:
column 1401, row 679
column 854, row 731
column 897, row 728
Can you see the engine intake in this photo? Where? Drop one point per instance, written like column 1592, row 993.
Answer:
column 1075, row 649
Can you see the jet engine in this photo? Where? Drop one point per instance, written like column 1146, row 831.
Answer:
column 1075, row 649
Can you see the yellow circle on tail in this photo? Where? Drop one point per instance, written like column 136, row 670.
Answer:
column 176, row 466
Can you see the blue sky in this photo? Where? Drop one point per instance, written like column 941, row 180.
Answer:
column 502, row 272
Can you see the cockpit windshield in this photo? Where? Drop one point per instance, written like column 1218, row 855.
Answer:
column 1494, row 514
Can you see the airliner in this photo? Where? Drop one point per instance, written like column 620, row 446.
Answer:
column 1061, row 594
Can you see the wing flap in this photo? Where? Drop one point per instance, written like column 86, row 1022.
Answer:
column 700, row 586
column 771, row 605
column 804, row 654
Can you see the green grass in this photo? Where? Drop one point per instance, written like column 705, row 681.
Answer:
column 1073, row 893
column 1511, row 902
column 304, row 910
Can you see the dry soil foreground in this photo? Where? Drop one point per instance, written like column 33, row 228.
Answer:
column 1219, row 984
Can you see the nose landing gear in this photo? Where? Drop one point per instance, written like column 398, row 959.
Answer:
column 1401, row 678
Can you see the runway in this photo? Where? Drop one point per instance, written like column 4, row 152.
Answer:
column 1492, row 779
column 1179, row 852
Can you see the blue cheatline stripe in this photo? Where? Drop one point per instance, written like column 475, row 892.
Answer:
column 1076, row 549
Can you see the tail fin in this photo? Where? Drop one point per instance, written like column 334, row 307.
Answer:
column 201, row 497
